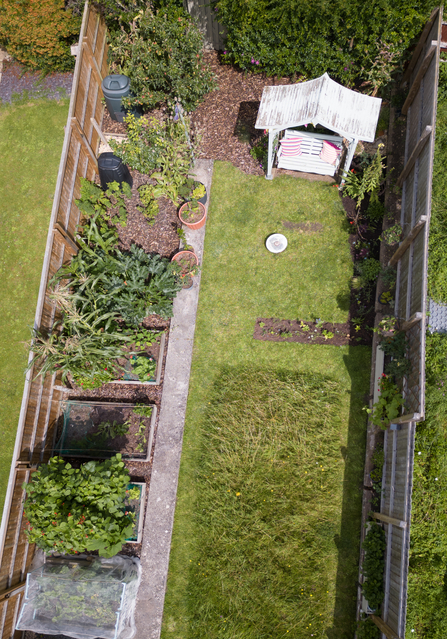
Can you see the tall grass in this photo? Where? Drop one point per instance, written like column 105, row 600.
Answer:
column 266, row 515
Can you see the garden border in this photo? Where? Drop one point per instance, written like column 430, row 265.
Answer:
column 41, row 398
column 410, row 307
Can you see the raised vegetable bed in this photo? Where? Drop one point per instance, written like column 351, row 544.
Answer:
column 99, row 430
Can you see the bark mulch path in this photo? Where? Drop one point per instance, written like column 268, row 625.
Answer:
column 226, row 118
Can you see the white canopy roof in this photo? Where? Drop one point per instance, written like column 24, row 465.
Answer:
column 321, row 101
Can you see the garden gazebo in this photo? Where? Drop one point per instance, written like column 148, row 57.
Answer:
column 351, row 115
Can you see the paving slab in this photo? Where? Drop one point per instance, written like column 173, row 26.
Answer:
column 437, row 319
column 159, row 521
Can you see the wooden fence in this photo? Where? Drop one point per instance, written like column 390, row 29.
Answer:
column 41, row 398
column 213, row 32
column 410, row 307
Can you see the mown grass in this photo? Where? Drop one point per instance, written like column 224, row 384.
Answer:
column 31, row 137
column 241, row 567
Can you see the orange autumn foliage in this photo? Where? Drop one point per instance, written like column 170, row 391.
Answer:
column 38, row 33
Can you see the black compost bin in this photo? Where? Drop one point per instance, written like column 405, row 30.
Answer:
column 112, row 169
column 114, row 88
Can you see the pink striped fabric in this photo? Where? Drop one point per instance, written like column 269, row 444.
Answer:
column 291, row 147
column 329, row 153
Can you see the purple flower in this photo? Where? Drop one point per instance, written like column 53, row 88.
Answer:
column 225, row 53
column 252, row 60
column 345, row 69
column 257, row 61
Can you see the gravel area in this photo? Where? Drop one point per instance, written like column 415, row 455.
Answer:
column 15, row 82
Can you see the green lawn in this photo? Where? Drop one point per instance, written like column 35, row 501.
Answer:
column 240, row 566
column 31, row 137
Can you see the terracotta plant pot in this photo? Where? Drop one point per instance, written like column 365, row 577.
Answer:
column 188, row 265
column 193, row 220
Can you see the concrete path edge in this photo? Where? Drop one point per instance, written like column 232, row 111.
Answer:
column 162, row 497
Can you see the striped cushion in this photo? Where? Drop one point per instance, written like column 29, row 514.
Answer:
column 329, row 152
column 291, row 147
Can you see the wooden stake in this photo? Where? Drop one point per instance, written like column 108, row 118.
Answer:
column 413, row 157
column 387, row 631
column 390, row 520
column 408, row 240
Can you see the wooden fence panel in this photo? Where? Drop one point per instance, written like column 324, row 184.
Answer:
column 41, row 400
column 203, row 13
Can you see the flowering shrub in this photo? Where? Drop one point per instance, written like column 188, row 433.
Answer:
column 38, row 33
column 162, row 54
column 70, row 510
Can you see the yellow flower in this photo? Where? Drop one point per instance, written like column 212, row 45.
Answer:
column 237, row 494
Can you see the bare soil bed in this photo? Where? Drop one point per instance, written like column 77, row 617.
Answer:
column 83, row 435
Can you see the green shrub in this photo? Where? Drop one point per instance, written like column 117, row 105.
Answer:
column 374, row 565
column 389, row 276
column 369, row 270
column 355, row 41
column 86, row 353
column 392, row 235
column 70, row 510
column 38, row 33
column 161, row 52
column 155, row 145
column 396, row 347
column 369, row 180
column 260, row 151
column 389, row 404
column 375, row 211
column 367, row 629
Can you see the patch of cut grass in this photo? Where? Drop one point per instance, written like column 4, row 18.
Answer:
column 31, row 137
column 236, row 555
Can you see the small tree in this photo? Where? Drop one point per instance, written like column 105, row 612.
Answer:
column 70, row 510
column 38, row 33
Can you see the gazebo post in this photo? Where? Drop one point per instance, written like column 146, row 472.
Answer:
column 349, row 156
column 269, row 175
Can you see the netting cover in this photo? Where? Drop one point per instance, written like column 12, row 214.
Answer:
column 91, row 429
column 81, row 598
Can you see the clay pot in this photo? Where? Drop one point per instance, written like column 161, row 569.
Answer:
column 193, row 220
column 186, row 276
